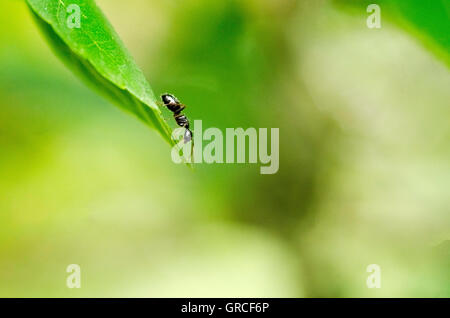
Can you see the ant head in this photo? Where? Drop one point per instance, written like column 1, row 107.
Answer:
column 169, row 99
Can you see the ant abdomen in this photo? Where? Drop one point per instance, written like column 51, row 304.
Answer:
column 187, row 136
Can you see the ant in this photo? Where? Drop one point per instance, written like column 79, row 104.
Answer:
column 174, row 105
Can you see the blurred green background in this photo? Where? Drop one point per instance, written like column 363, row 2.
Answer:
column 364, row 172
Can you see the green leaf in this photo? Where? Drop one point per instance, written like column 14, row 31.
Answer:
column 94, row 51
column 426, row 20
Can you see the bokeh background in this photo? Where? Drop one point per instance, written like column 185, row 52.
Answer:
column 364, row 172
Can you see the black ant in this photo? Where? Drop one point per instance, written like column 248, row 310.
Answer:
column 174, row 105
